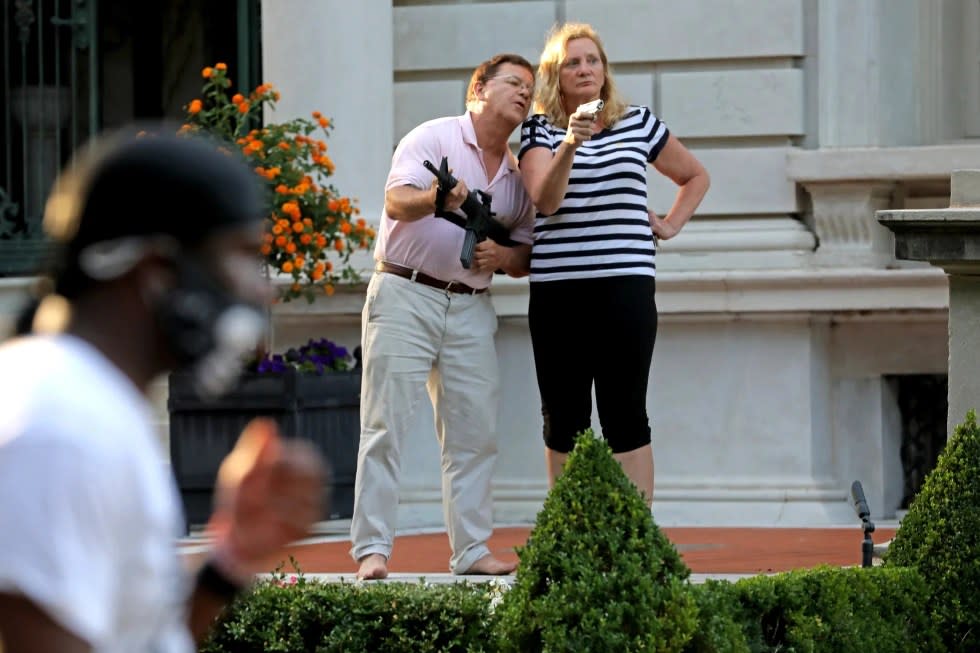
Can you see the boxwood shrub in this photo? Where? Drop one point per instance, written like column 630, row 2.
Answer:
column 824, row 609
column 597, row 574
column 309, row 615
column 940, row 536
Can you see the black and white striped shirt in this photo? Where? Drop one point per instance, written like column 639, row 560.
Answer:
column 602, row 227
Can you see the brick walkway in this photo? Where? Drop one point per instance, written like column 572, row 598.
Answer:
column 705, row 550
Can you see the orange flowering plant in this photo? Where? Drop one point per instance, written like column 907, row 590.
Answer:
column 309, row 222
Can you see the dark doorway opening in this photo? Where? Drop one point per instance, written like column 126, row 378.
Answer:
column 72, row 68
column 922, row 402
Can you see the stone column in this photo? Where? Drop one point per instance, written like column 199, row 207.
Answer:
column 879, row 65
column 950, row 239
column 335, row 56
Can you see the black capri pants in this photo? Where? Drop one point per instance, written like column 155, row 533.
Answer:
column 597, row 330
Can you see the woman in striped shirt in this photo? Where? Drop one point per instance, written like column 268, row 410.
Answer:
column 592, row 262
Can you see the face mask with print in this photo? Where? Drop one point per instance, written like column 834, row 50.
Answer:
column 208, row 329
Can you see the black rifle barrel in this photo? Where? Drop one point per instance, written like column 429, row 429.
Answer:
column 447, row 181
column 471, row 205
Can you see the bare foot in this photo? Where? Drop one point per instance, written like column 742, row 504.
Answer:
column 374, row 566
column 490, row 566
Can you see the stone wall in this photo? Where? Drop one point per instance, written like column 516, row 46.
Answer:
column 782, row 307
column 784, row 312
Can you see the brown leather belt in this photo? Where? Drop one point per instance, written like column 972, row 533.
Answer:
column 421, row 277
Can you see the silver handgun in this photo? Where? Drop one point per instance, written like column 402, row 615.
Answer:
column 593, row 107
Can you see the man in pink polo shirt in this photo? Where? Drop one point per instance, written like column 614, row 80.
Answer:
column 428, row 321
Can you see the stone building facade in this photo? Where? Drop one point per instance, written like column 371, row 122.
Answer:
column 788, row 328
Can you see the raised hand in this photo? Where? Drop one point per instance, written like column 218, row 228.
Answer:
column 268, row 494
column 455, row 197
column 579, row 128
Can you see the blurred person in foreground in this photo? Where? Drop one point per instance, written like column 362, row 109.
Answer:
column 595, row 241
column 157, row 268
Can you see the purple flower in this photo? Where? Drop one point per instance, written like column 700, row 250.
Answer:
column 317, row 356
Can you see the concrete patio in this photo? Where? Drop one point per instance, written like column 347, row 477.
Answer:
column 710, row 552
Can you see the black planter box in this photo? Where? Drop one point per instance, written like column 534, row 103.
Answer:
column 324, row 409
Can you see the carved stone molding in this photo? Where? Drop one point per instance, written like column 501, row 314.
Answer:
column 843, row 217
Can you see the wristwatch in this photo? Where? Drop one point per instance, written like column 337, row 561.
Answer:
column 212, row 579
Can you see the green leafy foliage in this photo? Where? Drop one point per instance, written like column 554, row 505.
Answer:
column 820, row 610
column 597, row 574
column 721, row 621
column 940, row 536
column 306, row 615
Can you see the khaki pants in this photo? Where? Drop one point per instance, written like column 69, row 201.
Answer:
column 414, row 338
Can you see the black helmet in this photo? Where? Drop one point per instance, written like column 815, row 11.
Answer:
column 139, row 183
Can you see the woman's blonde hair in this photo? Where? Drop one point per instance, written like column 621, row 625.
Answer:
column 548, row 98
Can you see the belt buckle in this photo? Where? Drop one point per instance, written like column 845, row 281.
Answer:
column 448, row 290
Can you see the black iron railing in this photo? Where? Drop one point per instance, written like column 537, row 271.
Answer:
column 50, row 106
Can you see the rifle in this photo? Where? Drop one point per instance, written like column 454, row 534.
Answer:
column 479, row 223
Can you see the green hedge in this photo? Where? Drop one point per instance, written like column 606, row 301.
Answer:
column 940, row 536
column 825, row 610
column 598, row 575
column 379, row 616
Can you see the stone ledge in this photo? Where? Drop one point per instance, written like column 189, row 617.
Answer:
column 677, row 292
column 450, row 579
column 767, row 291
column 702, row 292
column 803, row 290
column 949, row 238
column 891, row 163
column 716, row 291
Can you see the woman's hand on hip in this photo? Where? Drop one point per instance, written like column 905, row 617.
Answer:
column 662, row 229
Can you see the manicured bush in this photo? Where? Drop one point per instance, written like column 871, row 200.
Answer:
column 597, row 574
column 940, row 536
column 305, row 615
column 722, row 623
column 823, row 610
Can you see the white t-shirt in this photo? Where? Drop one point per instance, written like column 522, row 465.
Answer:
column 88, row 511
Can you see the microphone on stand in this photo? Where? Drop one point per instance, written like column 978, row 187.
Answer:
column 864, row 514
